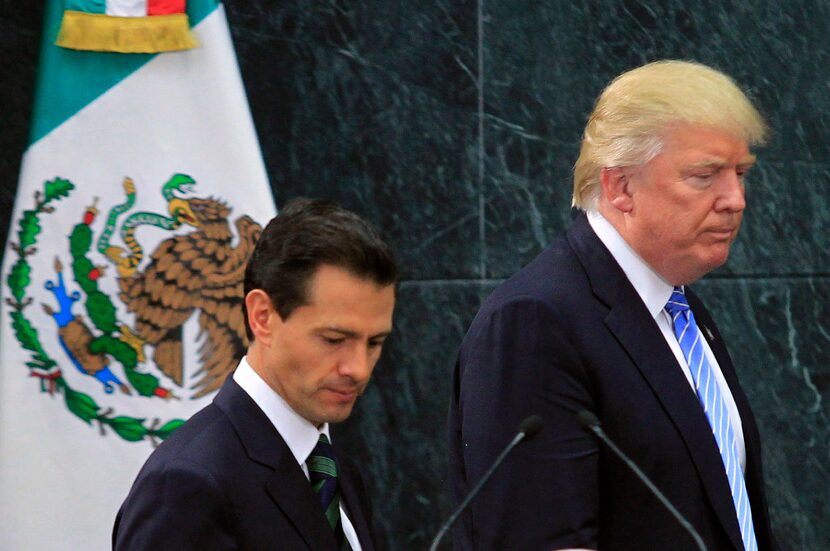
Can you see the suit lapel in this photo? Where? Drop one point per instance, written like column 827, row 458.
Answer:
column 752, row 440
column 294, row 496
column 288, row 486
column 710, row 331
column 634, row 328
column 713, row 337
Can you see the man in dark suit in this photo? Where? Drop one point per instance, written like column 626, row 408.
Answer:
column 600, row 321
column 256, row 469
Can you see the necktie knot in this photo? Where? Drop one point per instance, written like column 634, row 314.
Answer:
column 322, row 463
column 677, row 302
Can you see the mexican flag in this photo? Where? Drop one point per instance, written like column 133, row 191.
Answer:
column 141, row 195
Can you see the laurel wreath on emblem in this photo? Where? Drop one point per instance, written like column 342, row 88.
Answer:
column 197, row 271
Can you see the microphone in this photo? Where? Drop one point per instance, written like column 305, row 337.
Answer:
column 528, row 428
column 590, row 422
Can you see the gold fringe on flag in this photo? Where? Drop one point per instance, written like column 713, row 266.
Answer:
column 129, row 35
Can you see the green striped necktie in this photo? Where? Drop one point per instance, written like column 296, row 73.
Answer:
column 322, row 472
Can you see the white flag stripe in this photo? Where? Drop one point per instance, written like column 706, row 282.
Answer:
column 127, row 8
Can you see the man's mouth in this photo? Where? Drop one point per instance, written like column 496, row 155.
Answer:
column 344, row 394
column 723, row 232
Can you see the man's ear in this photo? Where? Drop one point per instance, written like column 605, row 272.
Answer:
column 261, row 315
column 616, row 188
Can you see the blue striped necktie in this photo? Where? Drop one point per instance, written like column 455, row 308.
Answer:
column 709, row 393
column 322, row 473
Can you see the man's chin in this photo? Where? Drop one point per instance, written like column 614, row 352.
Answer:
column 337, row 414
column 702, row 269
column 719, row 257
column 713, row 256
column 686, row 273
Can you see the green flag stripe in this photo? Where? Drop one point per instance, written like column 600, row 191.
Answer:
column 88, row 6
column 69, row 80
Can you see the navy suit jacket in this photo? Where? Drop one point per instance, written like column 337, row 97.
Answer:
column 569, row 333
column 227, row 480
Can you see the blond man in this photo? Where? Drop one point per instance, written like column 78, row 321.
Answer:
column 604, row 321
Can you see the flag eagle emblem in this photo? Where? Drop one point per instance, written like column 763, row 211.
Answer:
column 130, row 340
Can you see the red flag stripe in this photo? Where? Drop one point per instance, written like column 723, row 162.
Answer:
column 165, row 7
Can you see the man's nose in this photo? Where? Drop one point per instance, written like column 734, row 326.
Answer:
column 731, row 195
column 358, row 364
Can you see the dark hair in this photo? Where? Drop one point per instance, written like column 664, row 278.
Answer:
column 306, row 234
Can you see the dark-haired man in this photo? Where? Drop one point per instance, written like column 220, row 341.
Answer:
column 256, row 469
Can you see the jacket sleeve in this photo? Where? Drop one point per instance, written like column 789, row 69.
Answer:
column 516, row 361
column 178, row 507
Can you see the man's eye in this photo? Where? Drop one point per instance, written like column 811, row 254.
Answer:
column 333, row 340
column 701, row 179
column 703, row 176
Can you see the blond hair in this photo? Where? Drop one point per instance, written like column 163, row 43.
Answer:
column 631, row 113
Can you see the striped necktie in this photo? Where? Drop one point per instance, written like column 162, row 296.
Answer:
column 709, row 393
column 322, row 473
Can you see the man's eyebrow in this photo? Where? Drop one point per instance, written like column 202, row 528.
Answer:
column 341, row 330
column 747, row 161
column 351, row 334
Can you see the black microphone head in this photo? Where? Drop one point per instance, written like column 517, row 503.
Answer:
column 531, row 426
column 587, row 419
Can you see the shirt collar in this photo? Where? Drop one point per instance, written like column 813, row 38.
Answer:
column 299, row 434
column 653, row 290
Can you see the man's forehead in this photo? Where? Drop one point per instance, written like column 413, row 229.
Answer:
column 700, row 143
column 337, row 294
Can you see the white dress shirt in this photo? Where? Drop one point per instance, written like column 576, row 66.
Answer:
column 655, row 293
column 299, row 434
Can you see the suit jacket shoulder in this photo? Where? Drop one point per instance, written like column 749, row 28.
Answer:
column 225, row 480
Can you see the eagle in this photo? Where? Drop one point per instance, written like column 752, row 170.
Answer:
column 200, row 271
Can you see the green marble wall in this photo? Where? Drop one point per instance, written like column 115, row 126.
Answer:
column 375, row 103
